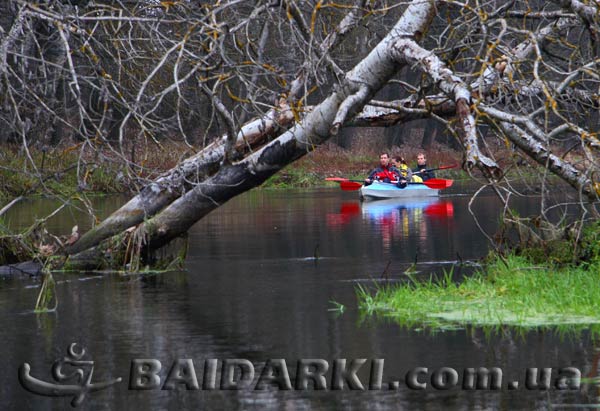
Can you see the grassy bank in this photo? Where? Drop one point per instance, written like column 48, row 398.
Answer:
column 65, row 170
column 511, row 292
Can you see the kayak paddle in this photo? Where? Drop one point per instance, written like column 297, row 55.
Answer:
column 437, row 183
column 434, row 169
column 433, row 183
column 348, row 185
column 338, row 179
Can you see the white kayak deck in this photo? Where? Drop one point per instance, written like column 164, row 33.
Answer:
column 379, row 190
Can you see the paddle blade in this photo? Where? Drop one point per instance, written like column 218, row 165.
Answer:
column 350, row 185
column 438, row 183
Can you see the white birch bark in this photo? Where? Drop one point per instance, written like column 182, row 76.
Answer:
column 409, row 51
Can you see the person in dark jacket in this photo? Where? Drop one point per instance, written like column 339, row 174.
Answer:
column 421, row 167
column 385, row 173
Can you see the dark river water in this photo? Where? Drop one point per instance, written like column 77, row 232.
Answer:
column 253, row 290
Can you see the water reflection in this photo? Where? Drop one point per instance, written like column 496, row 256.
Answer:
column 430, row 206
column 394, row 218
column 382, row 211
column 349, row 210
column 403, row 217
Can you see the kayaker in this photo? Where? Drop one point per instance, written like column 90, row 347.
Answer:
column 420, row 171
column 400, row 163
column 385, row 173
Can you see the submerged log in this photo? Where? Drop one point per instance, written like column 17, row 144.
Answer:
column 29, row 268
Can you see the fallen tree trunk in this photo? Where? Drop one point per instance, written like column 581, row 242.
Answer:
column 171, row 185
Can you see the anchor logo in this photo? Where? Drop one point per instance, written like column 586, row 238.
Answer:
column 80, row 379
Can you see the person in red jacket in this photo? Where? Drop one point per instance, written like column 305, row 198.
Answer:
column 385, row 172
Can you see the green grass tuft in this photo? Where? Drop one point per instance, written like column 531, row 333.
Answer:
column 513, row 293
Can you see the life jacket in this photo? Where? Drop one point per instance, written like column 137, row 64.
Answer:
column 425, row 175
column 388, row 173
column 403, row 168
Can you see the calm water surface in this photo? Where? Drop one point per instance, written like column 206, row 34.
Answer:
column 253, row 289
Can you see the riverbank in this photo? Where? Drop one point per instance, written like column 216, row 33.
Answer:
column 73, row 169
column 76, row 168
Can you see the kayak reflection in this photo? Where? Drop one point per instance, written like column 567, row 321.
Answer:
column 402, row 217
column 391, row 211
column 430, row 206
